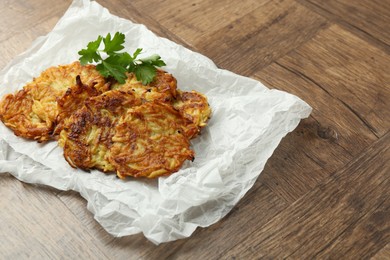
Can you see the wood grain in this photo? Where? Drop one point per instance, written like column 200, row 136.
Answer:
column 130, row 12
column 324, row 194
column 383, row 254
column 15, row 13
column 16, row 35
column 260, row 206
column 37, row 225
column 331, row 211
column 339, row 128
column 334, row 60
column 269, row 30
column 131, row 247
column 370, row 17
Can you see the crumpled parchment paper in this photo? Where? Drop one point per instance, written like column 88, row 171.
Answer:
column 247, row 124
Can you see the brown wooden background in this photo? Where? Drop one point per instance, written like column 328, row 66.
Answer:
column 325, row 192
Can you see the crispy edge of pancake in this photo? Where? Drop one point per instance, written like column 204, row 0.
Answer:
column 72, row 100
column 87, row 135
column 193, row 106
column 163, row 88
column 149, row 141
column 31, row 111
column 16, row 112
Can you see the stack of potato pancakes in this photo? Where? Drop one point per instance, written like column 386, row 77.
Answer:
column 131, row 129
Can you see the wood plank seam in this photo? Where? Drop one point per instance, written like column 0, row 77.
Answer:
column 307, row 78
column 303, row 76
column 369, row 126
column 101, row 252
column 347, row 228
column 357, row 159
column 248, row 198
column 312, row 158
column 344, row 24
column 161, row 29
column 383, row 254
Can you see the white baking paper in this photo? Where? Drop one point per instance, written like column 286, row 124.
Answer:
column 247, row 124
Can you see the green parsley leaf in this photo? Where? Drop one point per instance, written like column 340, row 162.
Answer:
column 111, row 69
column 123, row 59
column 137, row 52
column 91, row 53
column 145, row 73
column 154, row 60
column 115, row 44
column 118, row 63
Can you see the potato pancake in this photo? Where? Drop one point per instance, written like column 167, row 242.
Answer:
column 162, row 88
column 71, row 101
column 87, row 135
column 149, row 141
column 132, row 129
column 194, row 107
column 31, row 112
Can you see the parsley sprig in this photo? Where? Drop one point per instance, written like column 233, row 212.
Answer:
column 117, row 63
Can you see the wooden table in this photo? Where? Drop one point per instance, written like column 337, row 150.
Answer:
column 325, row 192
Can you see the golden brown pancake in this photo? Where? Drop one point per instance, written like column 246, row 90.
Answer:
column 31, row 112
column 149, row 141
column 71, row 101
column 87, row 135
column 194, row 107
column 162, row 88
